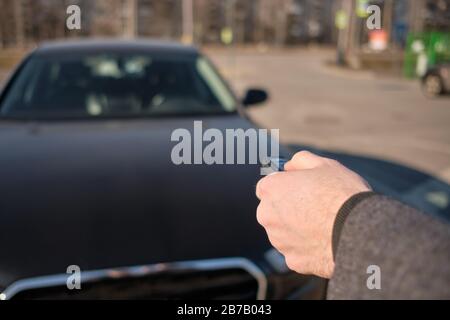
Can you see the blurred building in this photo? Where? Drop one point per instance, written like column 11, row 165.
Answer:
column 310, row 20
column 159, row 19
column 24, row 22
column 273, row 22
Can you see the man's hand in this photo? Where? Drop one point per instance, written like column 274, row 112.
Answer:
column 298, row 209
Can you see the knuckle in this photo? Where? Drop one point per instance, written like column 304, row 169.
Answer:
column 276, row 243
column 301, row 155
column 263, row 186
column 259, row 191
column 307, row 160
column 333, row 162
column 260, row 188
column 292, row 263
column 262, row 216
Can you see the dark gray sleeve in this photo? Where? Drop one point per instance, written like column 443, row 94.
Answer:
column 411, row 250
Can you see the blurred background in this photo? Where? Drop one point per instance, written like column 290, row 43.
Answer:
column 334, row 84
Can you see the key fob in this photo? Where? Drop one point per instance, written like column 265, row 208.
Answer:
column 276, row 164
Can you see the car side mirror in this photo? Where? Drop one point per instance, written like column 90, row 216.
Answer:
column 254, row 97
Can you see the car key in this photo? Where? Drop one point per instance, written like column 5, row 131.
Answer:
column 278, row 164
column 274, row 165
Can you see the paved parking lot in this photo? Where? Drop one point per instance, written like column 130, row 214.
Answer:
column 360, row 113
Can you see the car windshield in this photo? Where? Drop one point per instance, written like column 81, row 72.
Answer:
column 103, row 85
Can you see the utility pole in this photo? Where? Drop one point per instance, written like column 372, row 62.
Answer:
column 130, row 21
column 258, row 31
column 19, row 23
column 229, row 13
column 188, row 21
column 353, row 32
column 416, row 16
column 1, row 26
column 228, row 35
column 388, row 19
column 230, row 7
column 281, row 23
column 343, row 17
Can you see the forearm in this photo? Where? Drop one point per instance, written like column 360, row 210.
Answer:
column 412, row 251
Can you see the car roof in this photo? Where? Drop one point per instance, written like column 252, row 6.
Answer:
column 101, row 45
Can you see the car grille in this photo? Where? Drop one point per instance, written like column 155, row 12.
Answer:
column 215, row 285
column 237, row 279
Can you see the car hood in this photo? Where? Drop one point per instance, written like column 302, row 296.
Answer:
column 106, row 194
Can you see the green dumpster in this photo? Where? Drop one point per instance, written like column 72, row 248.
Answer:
column 424, row 50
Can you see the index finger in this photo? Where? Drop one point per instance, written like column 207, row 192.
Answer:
column 264, row 185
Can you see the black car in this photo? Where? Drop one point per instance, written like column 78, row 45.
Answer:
column 436, row 81
column 86, row 180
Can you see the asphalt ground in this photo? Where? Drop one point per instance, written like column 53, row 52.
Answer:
column 362, row 113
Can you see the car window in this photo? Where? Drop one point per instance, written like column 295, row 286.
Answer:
column 99, row 85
